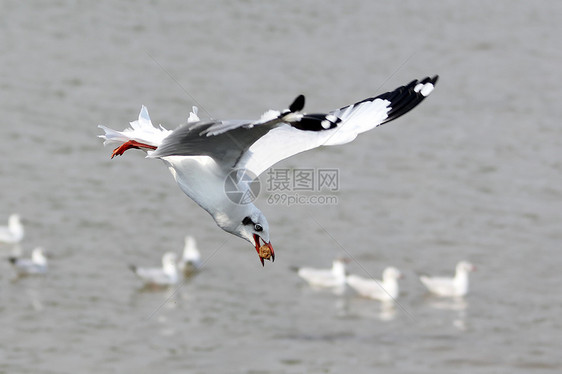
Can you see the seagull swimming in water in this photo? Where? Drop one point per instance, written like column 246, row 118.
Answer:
column 166, row 275
column 325, row 278
column 450, row 287
column 13, row 233
column 203, row 154
column 190, row 261
column 37, row 264
column 384, row 290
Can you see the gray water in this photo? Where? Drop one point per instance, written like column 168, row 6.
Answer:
column 473, row 173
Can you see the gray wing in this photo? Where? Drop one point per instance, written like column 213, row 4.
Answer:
column 258, row 145
column 225, row 141
column 199, row 139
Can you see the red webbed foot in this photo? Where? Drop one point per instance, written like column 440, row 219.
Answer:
column 130, row 144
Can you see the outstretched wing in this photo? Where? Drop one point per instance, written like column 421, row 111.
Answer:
column 258, row 145
column 225, row 141
column 337, row 127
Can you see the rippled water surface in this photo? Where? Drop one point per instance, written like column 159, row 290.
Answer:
column 473, row 173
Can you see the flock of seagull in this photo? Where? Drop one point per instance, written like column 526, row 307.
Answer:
column 335, row 278
column 168, row 274
column 386, row 289
column 190, row 262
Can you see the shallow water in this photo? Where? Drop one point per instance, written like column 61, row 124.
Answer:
column 473, row 173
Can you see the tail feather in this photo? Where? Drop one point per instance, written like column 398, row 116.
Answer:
column 141, row 131
column 112, row 136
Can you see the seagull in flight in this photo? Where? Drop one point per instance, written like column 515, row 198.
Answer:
column 203, row 154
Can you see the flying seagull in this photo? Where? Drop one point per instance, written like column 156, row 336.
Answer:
column 202, row 154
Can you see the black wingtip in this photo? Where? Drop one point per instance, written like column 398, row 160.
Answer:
column 13, row 259
column 425, row 80
column 298, row 104
column 405, row 98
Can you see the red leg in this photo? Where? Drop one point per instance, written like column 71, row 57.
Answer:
column 130, row 144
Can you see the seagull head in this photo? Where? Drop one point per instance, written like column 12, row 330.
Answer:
column 391, row 273
column 253, row 227
column 249, row 223
column 465, row 267
column 169, row 263
column 38, row 256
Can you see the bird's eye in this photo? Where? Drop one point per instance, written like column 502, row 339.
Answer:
column 258, row 227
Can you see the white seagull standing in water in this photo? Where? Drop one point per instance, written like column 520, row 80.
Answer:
column 37, row 264
column 202, row 155
column 384, row 290
column 450, row 287
column 13, row 233
column 190, row 261
column 166, row 275
column 326, row 278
